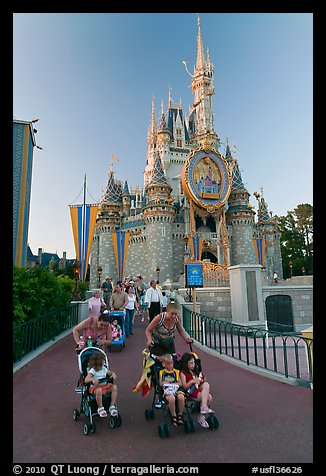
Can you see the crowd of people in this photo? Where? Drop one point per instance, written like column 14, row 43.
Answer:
column 159, row 310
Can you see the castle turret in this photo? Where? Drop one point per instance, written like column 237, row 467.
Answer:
column 125, row 199
column 240, row 221
column 159, row 214
column 268, row 230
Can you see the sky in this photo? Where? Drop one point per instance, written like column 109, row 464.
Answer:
column 90, row 77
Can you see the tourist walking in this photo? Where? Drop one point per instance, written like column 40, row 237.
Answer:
column 119, row 299
column 107, row 291
column 153, row 300
column 130, row 310
column 96, row 304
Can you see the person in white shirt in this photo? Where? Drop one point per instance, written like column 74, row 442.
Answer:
column 130, row 310
column 154, row 300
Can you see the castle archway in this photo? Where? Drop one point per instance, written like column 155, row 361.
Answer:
column 209, row 256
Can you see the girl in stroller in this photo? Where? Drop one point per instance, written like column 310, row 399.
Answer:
column 195, row 384
column 101, row 380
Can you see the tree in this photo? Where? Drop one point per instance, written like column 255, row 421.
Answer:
column 297, row 240
column 37, row 291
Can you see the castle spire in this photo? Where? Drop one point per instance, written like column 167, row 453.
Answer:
column 200, row 63
column 152, row 126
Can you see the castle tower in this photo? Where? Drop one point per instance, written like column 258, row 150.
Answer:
column 268, row 229
column 159, row 215
column 108, row 219
column 125, row 199
column 202, row 85
column 240, row 220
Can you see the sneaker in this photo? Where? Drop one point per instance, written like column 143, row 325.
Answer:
column 142, row 319
column 78, row 390
column 202, row 421
column 158, row 404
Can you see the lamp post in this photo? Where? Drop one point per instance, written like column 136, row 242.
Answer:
column 291, row 266
column 76, row 296
column 158, row 273
column 99, row 272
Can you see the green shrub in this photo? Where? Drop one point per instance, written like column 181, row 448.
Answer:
column 37, row 291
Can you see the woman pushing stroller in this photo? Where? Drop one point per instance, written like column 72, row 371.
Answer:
column 160, row 332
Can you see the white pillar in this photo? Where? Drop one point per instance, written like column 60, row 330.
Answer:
column 247, row 304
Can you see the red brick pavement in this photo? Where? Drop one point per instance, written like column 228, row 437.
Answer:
column 261, row 420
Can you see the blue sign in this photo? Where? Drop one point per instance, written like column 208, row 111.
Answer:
column 194, row 275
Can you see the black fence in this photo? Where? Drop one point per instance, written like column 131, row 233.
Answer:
column 32, row 334
column 290, row 355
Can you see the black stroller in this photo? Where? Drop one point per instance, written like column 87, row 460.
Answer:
column 88, row 405
column 160, row 403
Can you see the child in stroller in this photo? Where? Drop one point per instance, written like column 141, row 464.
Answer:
column 98, row 390
column 169, row 380
column 197, row 388
column 116, row 330
column 101, row 380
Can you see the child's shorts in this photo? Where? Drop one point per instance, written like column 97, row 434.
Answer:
column 104, row 388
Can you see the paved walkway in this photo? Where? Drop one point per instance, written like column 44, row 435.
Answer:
column 261, row 420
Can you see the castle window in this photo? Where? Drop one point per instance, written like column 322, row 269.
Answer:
column 163, row 231
column 179, row 143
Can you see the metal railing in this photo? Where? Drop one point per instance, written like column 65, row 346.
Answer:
column 32, row 334
column 290, row 355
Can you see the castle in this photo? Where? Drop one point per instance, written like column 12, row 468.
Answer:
column 190, row 191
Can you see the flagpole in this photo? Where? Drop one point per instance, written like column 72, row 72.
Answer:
column 83, row 232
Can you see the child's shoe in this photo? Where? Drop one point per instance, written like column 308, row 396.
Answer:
column 113, row 410
column 102, row 412
column 202, row 421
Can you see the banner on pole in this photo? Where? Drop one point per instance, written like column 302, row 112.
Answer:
column 120, row 241
column 83, row 224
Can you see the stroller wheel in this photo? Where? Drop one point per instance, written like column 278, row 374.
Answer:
column 115, row 421
column 93, row 427
column 75, row 414
column 186, row 426
column 87, row 428
column 191, row 426
column 118, row 421
column 166, row 429
column 149, row 414
column 161, row 431
column 213, row 422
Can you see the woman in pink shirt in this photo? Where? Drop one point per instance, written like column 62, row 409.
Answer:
column 95, row 303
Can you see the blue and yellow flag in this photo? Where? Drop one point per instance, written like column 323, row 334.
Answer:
column 196, row 247
column 120, row 241
column 259, row 245
column 83, row 223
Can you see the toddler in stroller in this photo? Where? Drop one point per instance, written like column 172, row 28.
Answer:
column 98, row 390
column 169, row 381
column 197, row 389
